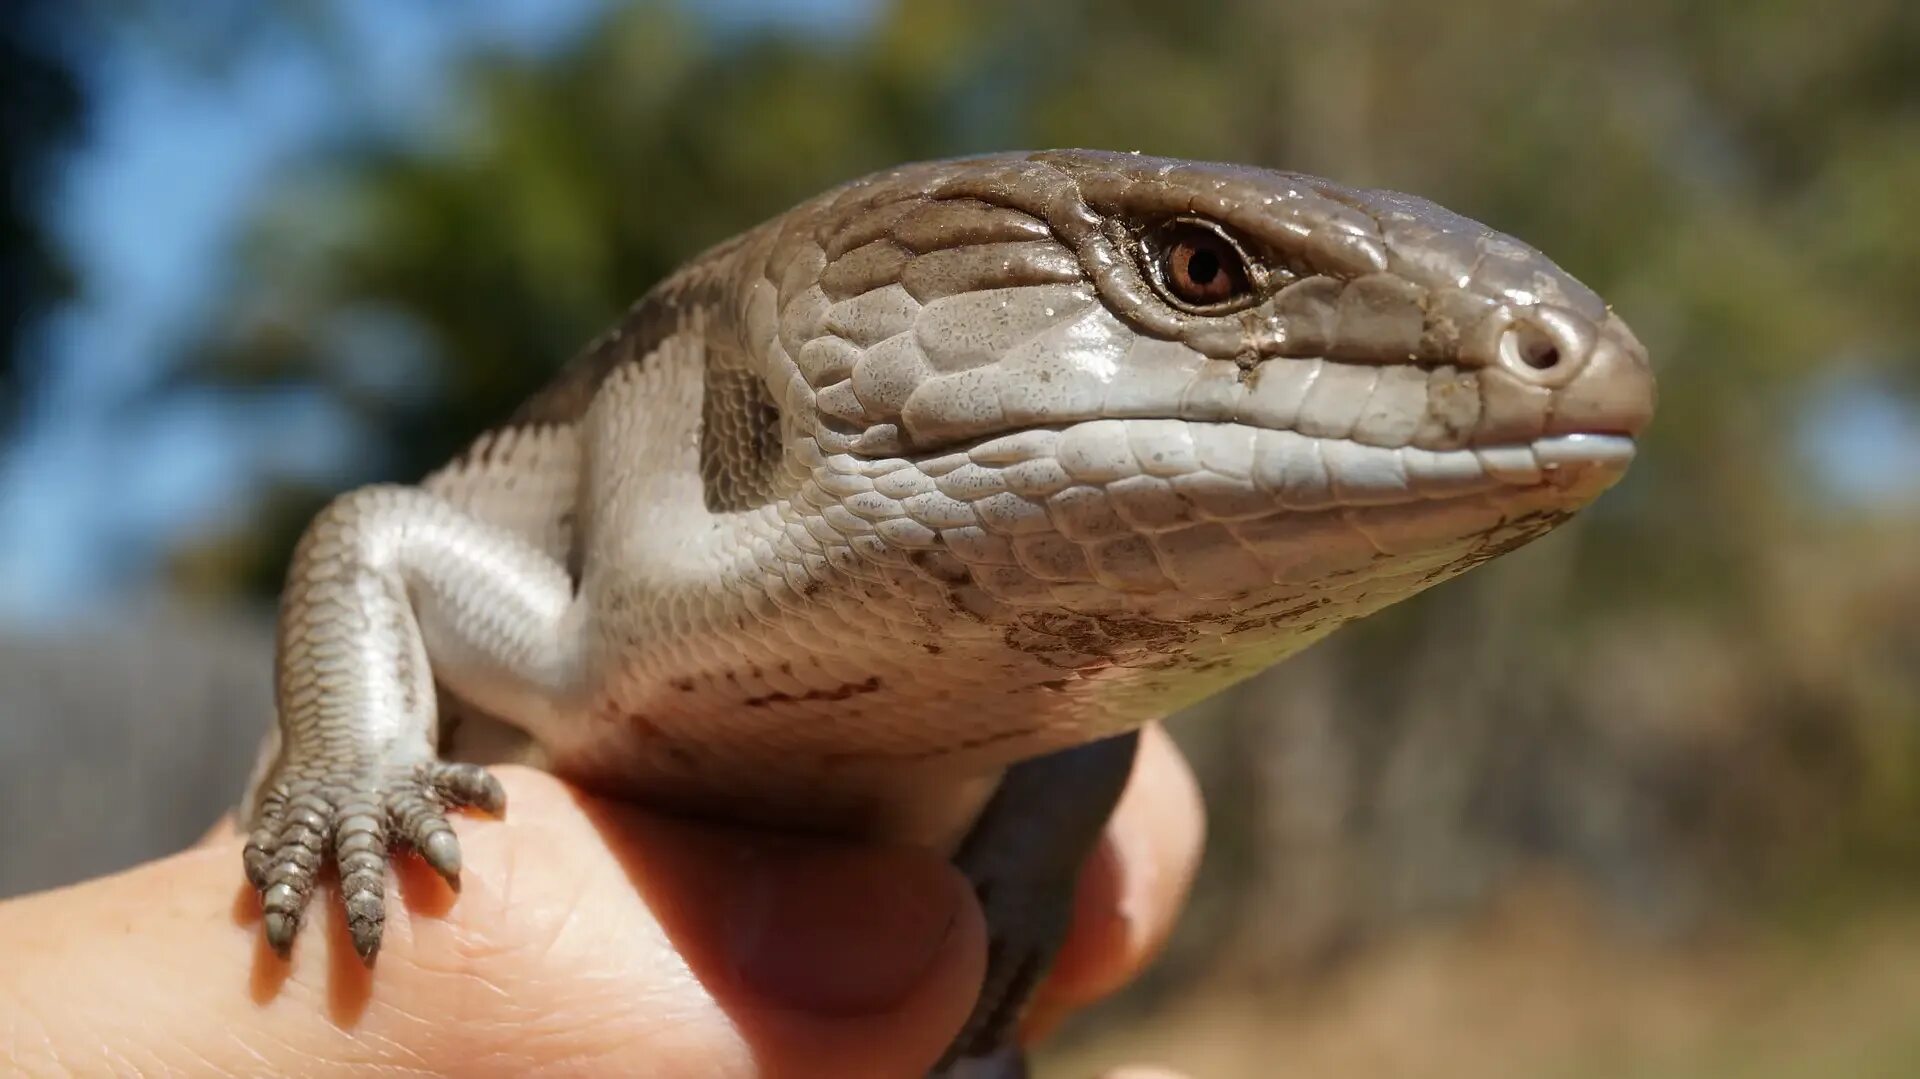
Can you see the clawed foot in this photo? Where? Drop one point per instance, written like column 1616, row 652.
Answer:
column 305, row 819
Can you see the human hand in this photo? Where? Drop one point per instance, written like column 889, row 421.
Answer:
column 588, row 938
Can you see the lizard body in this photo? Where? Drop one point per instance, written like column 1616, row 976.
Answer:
column 946, row 472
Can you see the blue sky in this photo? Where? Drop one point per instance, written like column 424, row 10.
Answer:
column 97, row 488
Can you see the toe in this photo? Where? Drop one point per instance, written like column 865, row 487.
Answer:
column 468, row 784
column 442, row 852
column 360, row 853
column 419, row 822
column 281, row 928
column 366, row 921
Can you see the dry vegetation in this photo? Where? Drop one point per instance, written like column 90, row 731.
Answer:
column 1543, row 986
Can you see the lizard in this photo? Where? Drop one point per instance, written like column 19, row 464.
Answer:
column 897, row 515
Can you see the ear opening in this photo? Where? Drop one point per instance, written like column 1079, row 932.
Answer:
column 740, row 444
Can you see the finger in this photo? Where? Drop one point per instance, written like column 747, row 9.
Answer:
column 1132, row 890
column 221, row 831
column 584, row 936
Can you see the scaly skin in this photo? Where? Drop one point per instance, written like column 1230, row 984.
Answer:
column 937, row 473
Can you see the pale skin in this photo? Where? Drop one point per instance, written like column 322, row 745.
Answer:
column 587, row 937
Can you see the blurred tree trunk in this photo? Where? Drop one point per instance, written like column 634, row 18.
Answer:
column 44, row 115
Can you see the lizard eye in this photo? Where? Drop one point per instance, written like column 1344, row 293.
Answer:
column 1198, row 268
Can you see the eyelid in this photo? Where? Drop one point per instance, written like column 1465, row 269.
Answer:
column 1152, row 249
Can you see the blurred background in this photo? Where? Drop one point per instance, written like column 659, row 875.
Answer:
column 1640, row 800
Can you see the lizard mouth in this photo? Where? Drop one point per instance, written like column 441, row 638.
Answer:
column 1152, row 508
column 1231, row 470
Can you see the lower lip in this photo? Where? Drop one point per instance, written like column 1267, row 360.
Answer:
column 1583, row 450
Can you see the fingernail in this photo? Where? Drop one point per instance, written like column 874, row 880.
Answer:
column 840, row 932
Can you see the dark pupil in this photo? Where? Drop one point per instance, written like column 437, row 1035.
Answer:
column 1202, row 267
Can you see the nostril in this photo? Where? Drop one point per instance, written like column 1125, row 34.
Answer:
column 1538, row 344
column 1545, row 346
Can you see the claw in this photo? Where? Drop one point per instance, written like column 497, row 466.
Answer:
column 442, row 852
column 280, row 931
column 366, row 918
column 281, row 903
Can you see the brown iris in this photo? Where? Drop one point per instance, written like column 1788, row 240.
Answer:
column 1200, row 268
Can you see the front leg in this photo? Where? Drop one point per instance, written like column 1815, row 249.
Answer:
column 385, row 579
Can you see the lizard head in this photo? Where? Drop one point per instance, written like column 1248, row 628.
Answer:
column 1126, row 391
